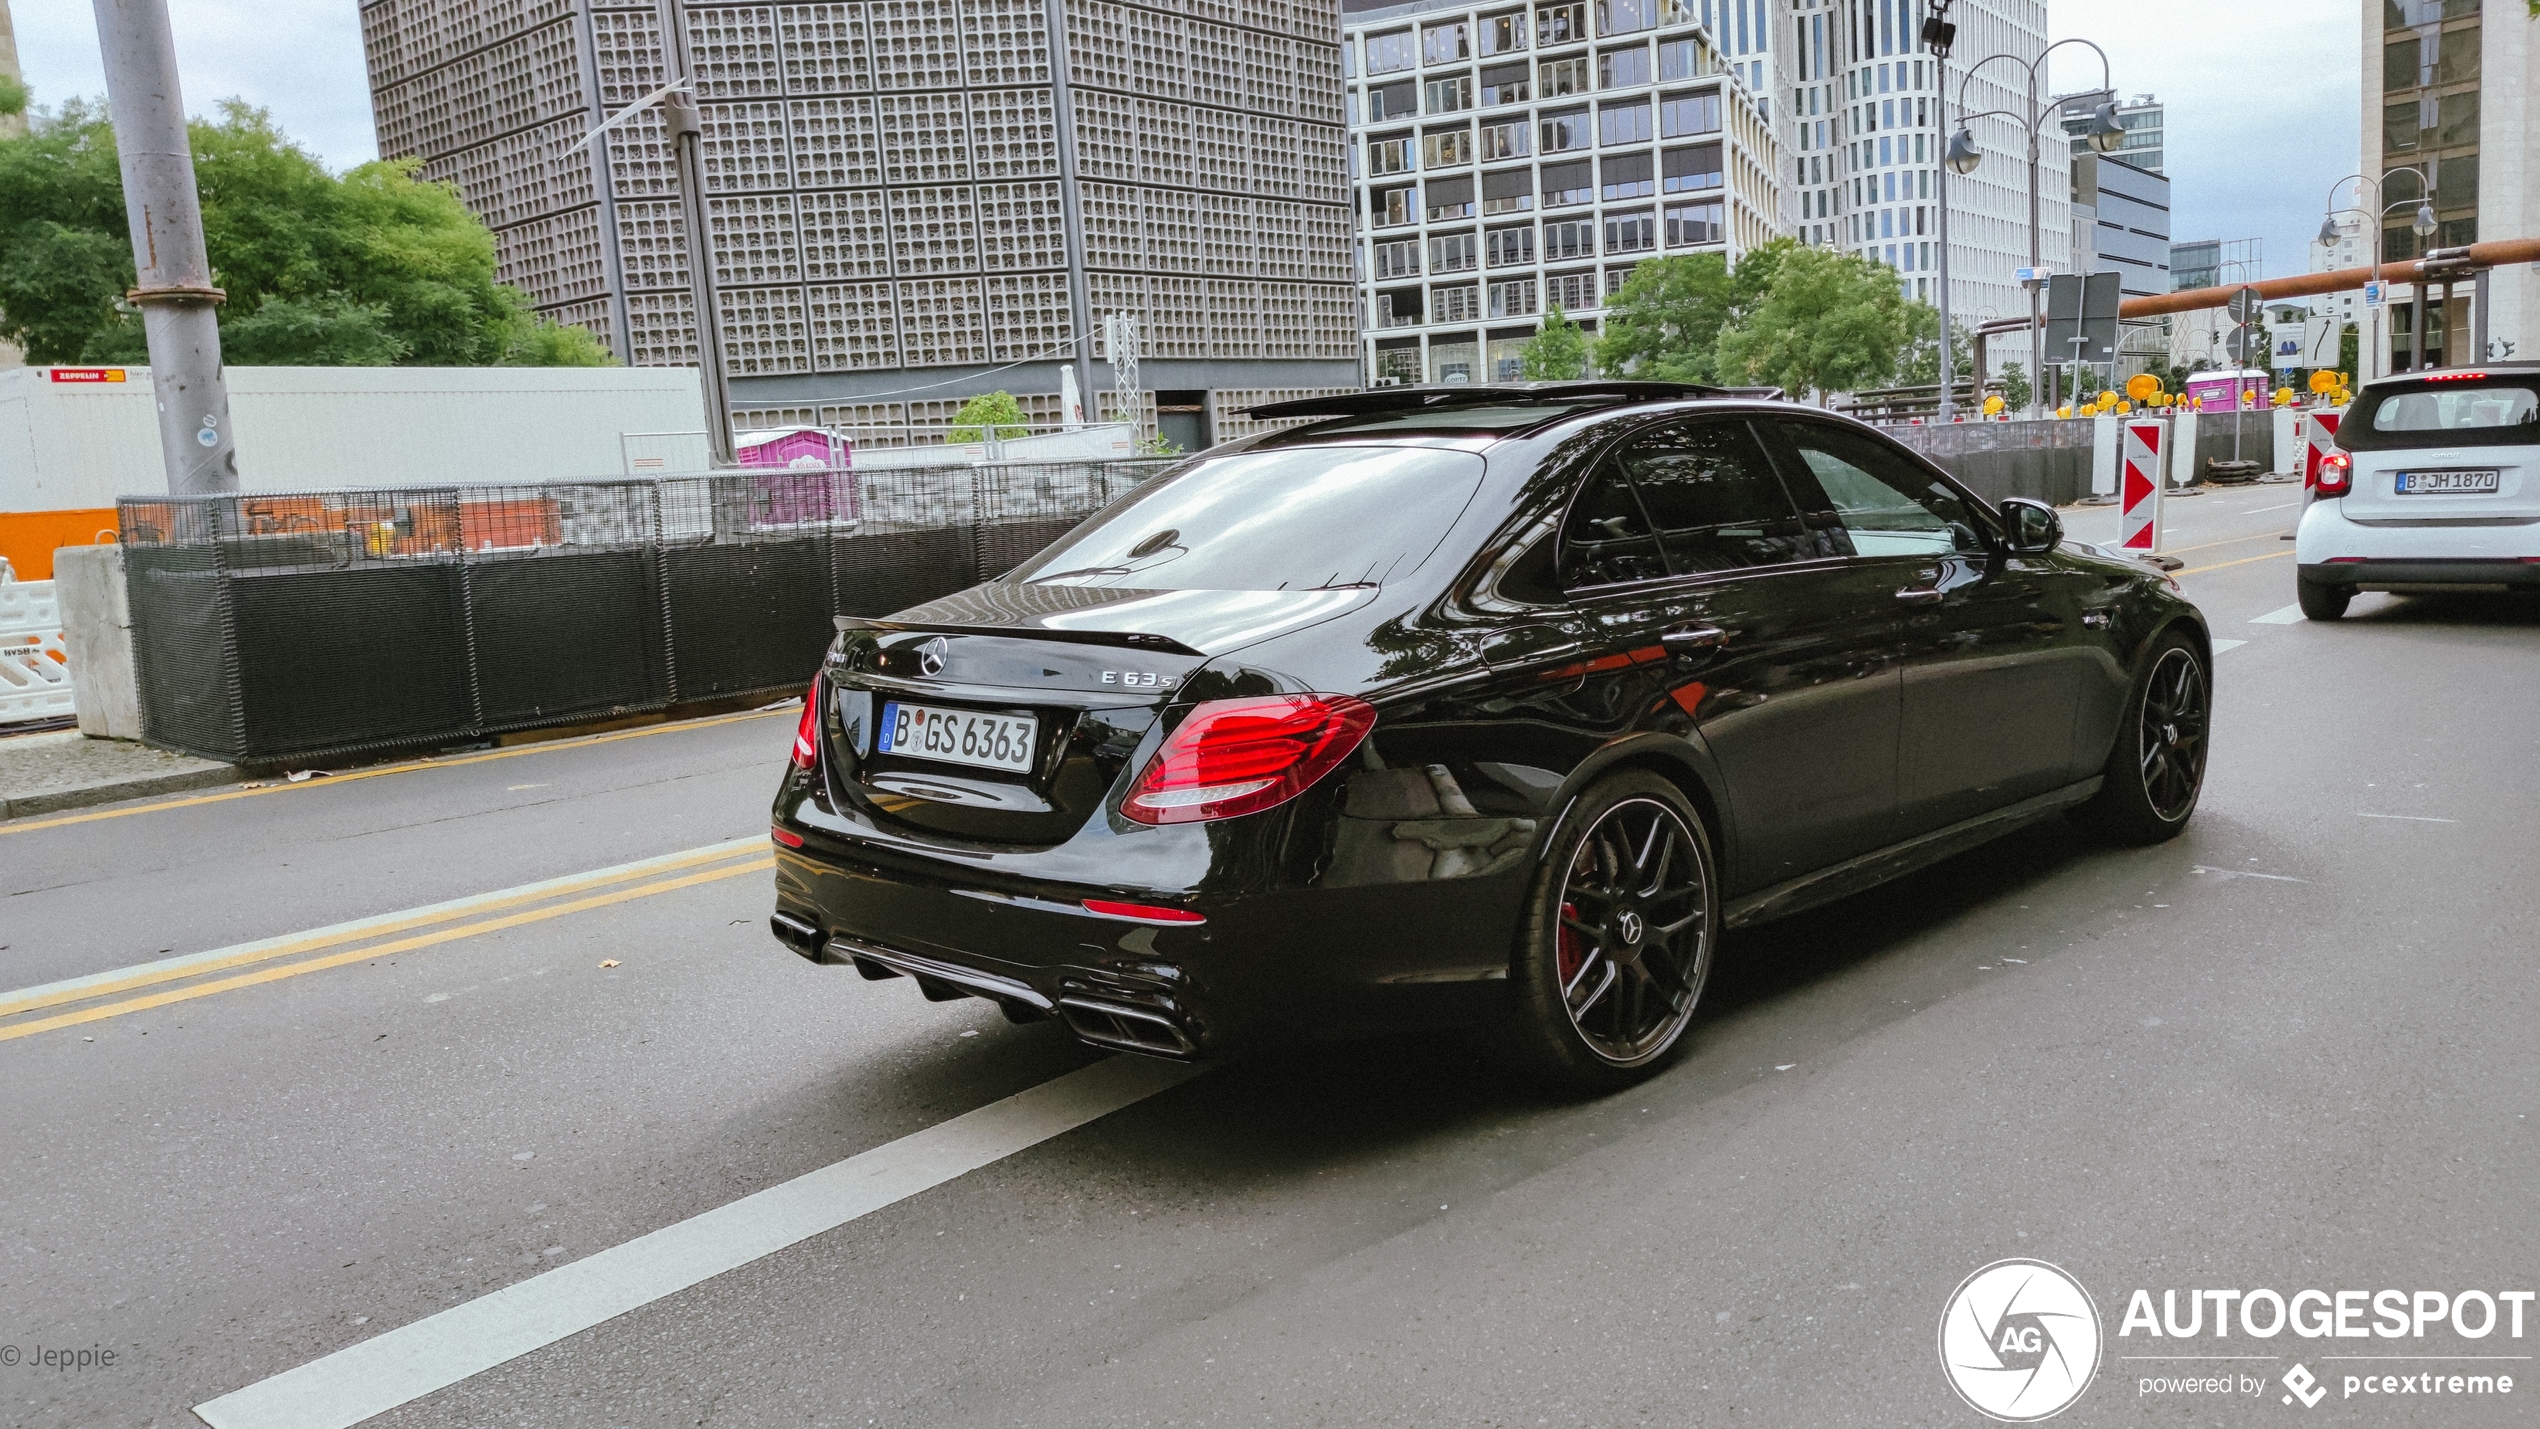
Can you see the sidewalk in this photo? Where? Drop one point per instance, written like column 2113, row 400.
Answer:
column 45, row 773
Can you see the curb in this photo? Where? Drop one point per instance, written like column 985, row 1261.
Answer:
column 118, row 791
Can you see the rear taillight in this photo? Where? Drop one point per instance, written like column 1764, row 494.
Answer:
column 807, row 733
column 1233, row 757
column 2336, row 474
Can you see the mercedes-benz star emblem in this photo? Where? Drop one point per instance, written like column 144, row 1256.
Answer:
column 1629, row 925
column 930, row 656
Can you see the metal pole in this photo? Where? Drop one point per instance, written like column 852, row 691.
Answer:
column 2450, row 356
column 174, row 276
column 1940, row 102
column 2478, row 315
column 2036, row 328
column 687, row 137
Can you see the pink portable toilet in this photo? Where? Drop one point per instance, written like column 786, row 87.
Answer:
column 816, row 484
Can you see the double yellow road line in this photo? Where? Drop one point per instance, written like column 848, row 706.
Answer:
column 27, row 1011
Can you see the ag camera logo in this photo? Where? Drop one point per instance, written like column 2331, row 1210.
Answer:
column 2019, row 1341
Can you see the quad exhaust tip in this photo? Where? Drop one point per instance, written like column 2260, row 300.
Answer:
column 1130, row 1029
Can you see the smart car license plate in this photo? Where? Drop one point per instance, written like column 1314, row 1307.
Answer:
column 973, row 737
column 2446, row 483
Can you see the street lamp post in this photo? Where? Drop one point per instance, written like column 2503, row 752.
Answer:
column 2423, row 226
column 2104, row 136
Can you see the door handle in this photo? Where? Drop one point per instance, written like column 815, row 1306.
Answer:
column 1687, row 639
column 1921, row 595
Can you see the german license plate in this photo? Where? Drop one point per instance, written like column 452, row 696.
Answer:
column 973, row 737
column 2446, row 483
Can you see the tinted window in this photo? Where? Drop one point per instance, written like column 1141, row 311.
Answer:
column 1711, row 492
column 1608, row 539
column 1295, row 519
column 2444, row 413
column 1887, row 506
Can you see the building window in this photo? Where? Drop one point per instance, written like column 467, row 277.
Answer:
column 1508, row 190
column 1623, row 17
column 1399, row 205
column 1615, row 278
column 1398, row 309
column 1680, row 115
column 1622, row 69
column 1503, row 33
column 1683, row 59
column 1560, row 24
column 1398, row 259
column 1389, row 155
column 1563, row 132
column 1573, row 239
column 1630, row 232
column 1456, row 305
column 1447, row 148
column 1689, row 224
column 1626, row 176
column 1387, row 53
column 1507, row 247
column 1570, row 292
column 1507, row 84
column 1398, row 365
column 1445, row 44
column 1623, row 123
column 1453, row 361
column 1512, row 299
column 1451, row 252
column 1391, row 101
column 1696, row 166
column 1567, row 184
column 1506, row 141
column 1452, row 93
column 1508, row 357
column 1562, row 77
column 1450, row 199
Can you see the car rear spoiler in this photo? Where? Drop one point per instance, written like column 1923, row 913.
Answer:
column 1124, row 639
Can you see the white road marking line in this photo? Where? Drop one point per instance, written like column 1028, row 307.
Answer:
column 2245, row 873
column 2289, row 615
column 164, row 968
column 2411, row 818
column 440, row 1350
column 2279, row 506
column 2222, row 645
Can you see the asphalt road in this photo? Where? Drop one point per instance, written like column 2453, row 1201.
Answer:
column 2291, row 1049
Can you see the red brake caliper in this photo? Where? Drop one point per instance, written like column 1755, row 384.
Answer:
column 1573, row 949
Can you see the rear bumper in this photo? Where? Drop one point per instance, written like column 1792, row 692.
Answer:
column 2375, row 573
column 2328, row 535
column 1269, row 962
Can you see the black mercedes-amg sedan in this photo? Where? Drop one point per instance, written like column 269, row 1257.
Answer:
column 1479, row 705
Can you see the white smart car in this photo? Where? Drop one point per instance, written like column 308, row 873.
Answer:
column 2435, row 484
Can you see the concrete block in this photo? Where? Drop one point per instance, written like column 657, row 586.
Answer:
column 97, row 634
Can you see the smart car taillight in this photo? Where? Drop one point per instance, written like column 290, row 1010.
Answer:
column 1233, row 757
column 2337, row 474
column 807, row 733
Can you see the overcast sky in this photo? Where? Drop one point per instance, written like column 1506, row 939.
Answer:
column 2262, row 106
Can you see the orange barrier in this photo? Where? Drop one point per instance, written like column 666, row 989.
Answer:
column 28, row 538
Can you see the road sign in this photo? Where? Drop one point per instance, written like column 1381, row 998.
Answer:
column 2376, row 293
column 2031, row 275
column 2319, row 434
column 2245, row 305
column 2101, row 293
column 2139, row 487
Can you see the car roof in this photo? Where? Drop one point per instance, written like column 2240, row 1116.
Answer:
column 1488, row 411
column 2517, row 368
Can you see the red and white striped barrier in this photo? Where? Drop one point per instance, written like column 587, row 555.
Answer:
column 2139, row 487
column 2319, row 437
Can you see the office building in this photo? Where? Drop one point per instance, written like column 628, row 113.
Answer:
column 2447, row 101
column 2140, row 118
column 912, row 201
column 2121, row 225
column 1868, row 130
column 2197, row 338
column 2352, row 249
column 1514, row 158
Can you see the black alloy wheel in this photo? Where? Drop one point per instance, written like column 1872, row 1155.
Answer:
column 2156, row 772
column 1620, row 936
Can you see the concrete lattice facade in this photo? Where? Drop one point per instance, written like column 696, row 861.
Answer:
column 893, row 201
column 1511, row 158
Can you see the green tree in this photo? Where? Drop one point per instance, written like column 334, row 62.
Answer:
column 13, row 95
column 2013, row 380
column 374, row 267
column 1664, row 323
column 1827, row 322
column 1920, row 366
column 1558, row 352
column 988, row 409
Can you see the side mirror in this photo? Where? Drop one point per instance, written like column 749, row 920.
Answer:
column 2034, row 526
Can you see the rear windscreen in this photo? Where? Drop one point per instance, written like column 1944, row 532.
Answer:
column 2446, row 412
column 1303, row 518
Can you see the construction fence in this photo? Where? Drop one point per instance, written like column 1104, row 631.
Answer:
column 279, row 628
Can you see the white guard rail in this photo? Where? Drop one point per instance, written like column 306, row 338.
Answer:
column 35, row 676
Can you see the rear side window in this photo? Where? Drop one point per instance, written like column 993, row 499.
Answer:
column 2446, row 412
column 1302, row 518
column 1608, row 538
column 1711, row 492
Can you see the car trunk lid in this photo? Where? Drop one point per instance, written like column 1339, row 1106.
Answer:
column 2448, row 448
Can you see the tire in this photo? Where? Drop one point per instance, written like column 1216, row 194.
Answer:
column 2322, row 602
column 2156, row 765
column 1601, row 996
